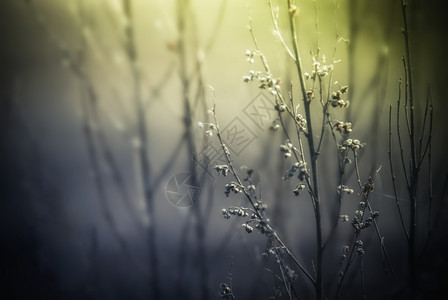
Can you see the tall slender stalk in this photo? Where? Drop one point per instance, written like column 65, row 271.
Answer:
column 414, row 170
column 311, row 147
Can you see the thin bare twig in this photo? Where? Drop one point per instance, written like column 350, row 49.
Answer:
column 394, row 185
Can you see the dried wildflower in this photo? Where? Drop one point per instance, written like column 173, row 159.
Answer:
column 337, row 101
column 357, row 224
column 299, row 188
column 324, row 71
column 374, row 214
column 223, row 169
column 303, row 172
column 274, row 126
column 250, row 56
column 290, row 274
column 336, row 95
column 368, row 187
column 343, row 127
column 247, row 227
column 344, row 189
column 286, row 150
column 209, row 133
column 225, row 213
column 280, row 107
column 344, row 218
column 235, row 211
column 264, row 227
column 309, row 95
column 200, row 124
column 260, row 206
column 291, row 171
column 351, row 144
column 232, row 187
column 301, row 121
column 225, row 292
column 294, row 10
column 360, row 251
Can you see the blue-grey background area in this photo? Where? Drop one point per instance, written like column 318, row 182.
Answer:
column 56, row 236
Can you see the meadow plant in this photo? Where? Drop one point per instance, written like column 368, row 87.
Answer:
column 316, row 89
column 317, row 92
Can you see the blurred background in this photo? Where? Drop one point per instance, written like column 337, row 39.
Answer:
column 100, row 102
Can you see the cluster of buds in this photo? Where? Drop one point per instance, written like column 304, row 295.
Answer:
column 309, row 95
column 286, row 149
column 319, row 70
column 358, row 224
column 351, row 144
column 251, row 188
column 250, row 56
column 294, row 10
column 272, row 251
column 263, row 226
column 368, row 187
column 343, row 127
column 269, row 83
column 234, row 211
column 252, row 75
column 274, row 126
column 247, row 227
column 359, row 248
column 301, row 121
column 345, row 218
column 298, row 189
column 265, row 81
column 209, row 127
column 232, row 187
column 344, row 189
column 280, row 107
column 298, row 166
column 260, row 206
column 222, row 169
column 290, row 274
column 225, row 292
column 336, row 98
column 345, row 252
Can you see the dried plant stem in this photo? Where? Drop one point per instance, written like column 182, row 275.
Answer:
column 275, row 236
column 312, row 151
column 394, row 185
column 377, row 230
column 414, row 170
column 363, row 284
